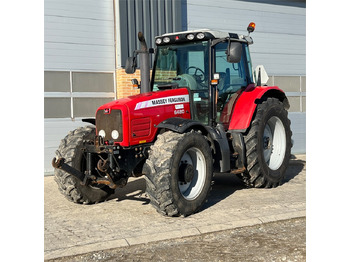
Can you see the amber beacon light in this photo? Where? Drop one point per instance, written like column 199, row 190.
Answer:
column 251, row 27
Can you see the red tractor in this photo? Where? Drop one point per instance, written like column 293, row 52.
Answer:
column 203, row 111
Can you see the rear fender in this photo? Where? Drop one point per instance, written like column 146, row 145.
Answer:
column 246, row 103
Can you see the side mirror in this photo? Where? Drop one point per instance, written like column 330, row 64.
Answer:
column 130, row 65
column 234, row 52
column 260, row 75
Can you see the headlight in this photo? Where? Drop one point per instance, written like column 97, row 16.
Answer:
column 115, row 134
column 166, row 39
column 158, row 41
column 190, row 36
column 102, row 133
column 200, row 35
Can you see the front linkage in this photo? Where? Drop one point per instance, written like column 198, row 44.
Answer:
column 105, row 164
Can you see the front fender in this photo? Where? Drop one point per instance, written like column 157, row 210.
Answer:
column 181, row 125
column 246, row 103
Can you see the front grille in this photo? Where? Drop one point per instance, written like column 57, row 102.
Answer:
column 110, row 122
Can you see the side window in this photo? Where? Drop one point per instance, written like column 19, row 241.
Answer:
column 249, row 62
column 233, row 77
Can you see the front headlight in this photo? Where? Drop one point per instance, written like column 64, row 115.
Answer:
column 102, row 133
column 115, row 134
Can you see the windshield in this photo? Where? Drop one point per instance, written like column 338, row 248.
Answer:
column 182, row 65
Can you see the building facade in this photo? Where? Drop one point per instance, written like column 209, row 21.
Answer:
column 87, row 42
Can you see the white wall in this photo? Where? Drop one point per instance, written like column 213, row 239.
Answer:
column 279, row 37
column 79, row 35
column 55, row 130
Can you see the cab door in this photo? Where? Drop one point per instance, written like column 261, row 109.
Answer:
column 234, row 77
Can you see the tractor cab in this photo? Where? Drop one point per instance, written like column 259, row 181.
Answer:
column 213, row 65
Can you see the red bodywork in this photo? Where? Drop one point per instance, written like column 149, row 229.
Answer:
column 245, row 105
column 142, row 113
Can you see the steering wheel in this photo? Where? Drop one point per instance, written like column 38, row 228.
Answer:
column 199, row 77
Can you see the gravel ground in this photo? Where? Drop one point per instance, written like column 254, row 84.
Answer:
column 276, row 241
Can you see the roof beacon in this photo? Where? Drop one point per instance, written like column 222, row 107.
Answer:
column 251, row 27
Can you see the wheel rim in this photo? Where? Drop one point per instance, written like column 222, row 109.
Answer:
column 191, row 190
column 274, row 143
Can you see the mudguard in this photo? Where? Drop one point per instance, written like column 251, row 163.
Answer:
column 221, row 146
column 180, row 125
column 246, row 103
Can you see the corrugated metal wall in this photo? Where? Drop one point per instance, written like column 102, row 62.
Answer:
column 151, row 17
column 279, row 44
column 280, row 34
column 79, row 65
column 79, row 35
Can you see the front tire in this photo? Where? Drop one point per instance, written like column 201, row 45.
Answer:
column 71, row 150
column 268, row 145
column 180, row 176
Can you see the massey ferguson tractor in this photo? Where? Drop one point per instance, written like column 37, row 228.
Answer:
column 203, row 111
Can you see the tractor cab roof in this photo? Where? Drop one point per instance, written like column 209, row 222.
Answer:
column 198, row 35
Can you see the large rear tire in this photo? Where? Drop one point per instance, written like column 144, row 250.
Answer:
column 180, row 176
column 268, row 145
column 71, row 150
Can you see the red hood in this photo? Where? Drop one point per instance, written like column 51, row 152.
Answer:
column 142, row 113
column 132, row 101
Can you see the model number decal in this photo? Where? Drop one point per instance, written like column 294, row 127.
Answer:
column 162, row 101
column 179, row 112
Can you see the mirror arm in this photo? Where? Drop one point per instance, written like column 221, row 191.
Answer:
column 258, row 82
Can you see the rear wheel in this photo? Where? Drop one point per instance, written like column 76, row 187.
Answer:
column 71, row 150
column 180, row 174
column 268, row 145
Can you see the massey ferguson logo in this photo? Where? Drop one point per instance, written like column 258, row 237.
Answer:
column 107, row 110
column 163, row 101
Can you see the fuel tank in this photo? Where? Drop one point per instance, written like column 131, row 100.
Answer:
column 133, row 120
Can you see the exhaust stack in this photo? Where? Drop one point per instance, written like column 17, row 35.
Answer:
column 144, row 64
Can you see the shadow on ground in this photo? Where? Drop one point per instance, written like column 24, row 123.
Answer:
column 224, row 186
column 134, row 190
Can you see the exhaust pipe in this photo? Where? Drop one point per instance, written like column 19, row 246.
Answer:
column 144, row 64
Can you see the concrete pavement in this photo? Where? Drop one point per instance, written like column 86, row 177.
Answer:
column 127, row 218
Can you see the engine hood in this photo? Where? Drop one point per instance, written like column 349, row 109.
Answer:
column 149, row 99
column 142, row 113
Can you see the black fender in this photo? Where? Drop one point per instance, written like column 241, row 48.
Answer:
column 217, row 137
column 89, row 120
column 181, row 125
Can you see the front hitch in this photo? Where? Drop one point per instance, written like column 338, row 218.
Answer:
column 84, row 178
column 60, row 164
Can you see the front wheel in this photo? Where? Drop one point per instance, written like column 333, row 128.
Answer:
column 181, row 169
column 71, row 150
column 268, row 145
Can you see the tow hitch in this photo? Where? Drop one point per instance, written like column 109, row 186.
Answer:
column 85, row 178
